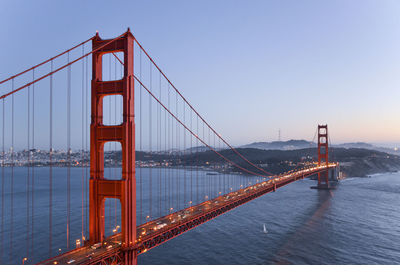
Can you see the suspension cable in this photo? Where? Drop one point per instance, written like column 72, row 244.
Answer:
column 179, row 121
column 177, row 91
column 44, row 62
column 60, row 68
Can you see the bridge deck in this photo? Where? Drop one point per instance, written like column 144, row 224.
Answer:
column 156, row 232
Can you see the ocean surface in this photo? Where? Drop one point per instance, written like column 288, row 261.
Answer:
column 357, row 223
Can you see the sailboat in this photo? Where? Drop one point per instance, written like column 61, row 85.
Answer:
column 265, row 230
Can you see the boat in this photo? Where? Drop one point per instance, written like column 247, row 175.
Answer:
column 265, row 230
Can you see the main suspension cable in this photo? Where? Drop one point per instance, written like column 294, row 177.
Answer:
column 60, row 68
column 180, row 122
column 208, row 125
column 44, row 62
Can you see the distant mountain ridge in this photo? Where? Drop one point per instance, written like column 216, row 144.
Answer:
column 362, row 145
column 302, row 144
column 281, row 145
column 357, row 145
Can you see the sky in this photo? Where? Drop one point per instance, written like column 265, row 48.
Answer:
column 251, row 68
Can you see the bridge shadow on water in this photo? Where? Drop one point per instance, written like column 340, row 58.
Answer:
column 298, row 247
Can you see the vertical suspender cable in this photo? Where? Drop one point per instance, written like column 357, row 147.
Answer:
column 87, row 144
column 330, row 149
column 165, row 168
column 115, row 143
column 171, row 147
column 28, row 226
column 51, row 163
column 173, row 154
column 12, row 172
column 110, row 171
column 205, row 177
column 83, row 144
column 209, row 176
column 178, row 153
column 198, row 161
column 215, row 169
column 121, row 110
column 184, row 156
column 150, row 147
column 68, row 150
column 140, row 141
column 2, row 185
column 159, row 150
column 191, row 159
column 220, row 175
column 33, row 162
column 169, row 151
column 226, row 172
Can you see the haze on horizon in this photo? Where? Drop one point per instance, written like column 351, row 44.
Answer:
column 249, row 69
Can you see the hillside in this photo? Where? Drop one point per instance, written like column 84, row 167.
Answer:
column 281, row 145
column 355, row 162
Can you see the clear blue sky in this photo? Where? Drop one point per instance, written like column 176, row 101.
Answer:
column 249, row 67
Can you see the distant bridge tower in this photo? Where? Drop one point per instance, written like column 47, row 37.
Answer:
column 323, row 177
column 100, row 187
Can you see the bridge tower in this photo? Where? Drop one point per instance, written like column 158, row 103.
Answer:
column 100, row 187
column 323, row 177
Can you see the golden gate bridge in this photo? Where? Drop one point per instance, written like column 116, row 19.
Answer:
column 127, row 111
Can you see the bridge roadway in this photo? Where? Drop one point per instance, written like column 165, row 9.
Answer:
column 156, row 232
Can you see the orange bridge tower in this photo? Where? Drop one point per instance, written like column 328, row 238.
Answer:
column 100, row 187
column 323, row 177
